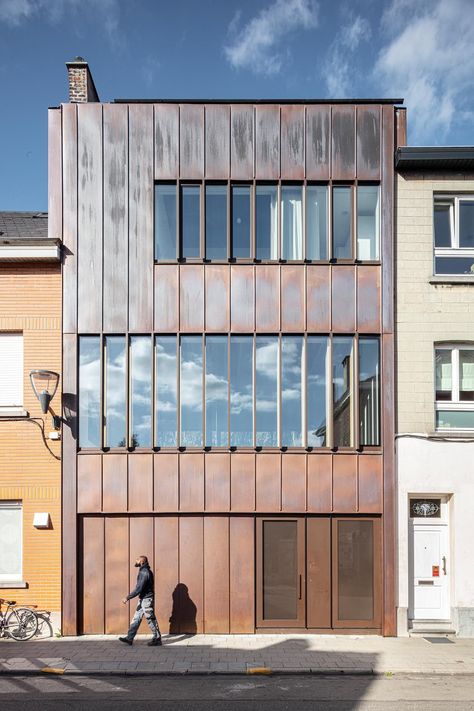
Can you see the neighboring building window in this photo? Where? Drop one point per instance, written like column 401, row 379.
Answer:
column 453, row 220
column 11, row 538
column 454, row 387
column 11, row 372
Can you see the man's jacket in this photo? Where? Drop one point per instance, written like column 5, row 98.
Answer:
column 145, row 584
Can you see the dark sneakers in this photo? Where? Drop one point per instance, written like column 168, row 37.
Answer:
column 155, row 642
column 126, row 640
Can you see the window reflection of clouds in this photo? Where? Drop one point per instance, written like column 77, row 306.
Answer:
column 166, row 391
column 291, row 391
column 115, row 396
column 266, row 392
column 140, row 362
column 216, row 391
column 241, row 391
column 191, row 391
column 89, row 391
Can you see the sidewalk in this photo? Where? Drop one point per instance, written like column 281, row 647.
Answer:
column 239, row 654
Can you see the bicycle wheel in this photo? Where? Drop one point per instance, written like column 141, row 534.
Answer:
column 21, row 624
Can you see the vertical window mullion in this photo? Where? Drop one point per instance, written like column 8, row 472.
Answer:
column 203, row 388
column 279, row 393
column 228, row 389
column 355, row 395
column 455, row 226
column 304, row 385
column 329, row 221
column 254, row 388
column 103, row 390
column 455, row 366
column 179, row 251
column 128, row 390
column 279, row 223
column 329, row 396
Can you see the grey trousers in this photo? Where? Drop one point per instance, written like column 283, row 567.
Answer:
column 144, row 607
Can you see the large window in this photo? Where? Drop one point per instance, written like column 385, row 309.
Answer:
column 292, row 222
column 266, row 219
column 216, row 221
column 11, row 537
column 454, row 372
column 89, row 391
column 165, row 221
column 453, row 220
column 241, row 222
column 191, row 221
column 368, row 220
column 11, row 373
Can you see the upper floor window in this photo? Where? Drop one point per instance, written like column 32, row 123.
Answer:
column 11, row 539
column 11, row 373
column 453, row 220
column 454, row 367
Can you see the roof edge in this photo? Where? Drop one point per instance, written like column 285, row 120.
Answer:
column 258, row 101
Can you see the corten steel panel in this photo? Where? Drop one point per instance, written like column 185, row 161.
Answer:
column 116, row 574
column 368, row 142
column 114, row 483
column 242, row 482
column 217, row 278
column 69, row 232
column 242, row 574
column 343, row 165
column 55, row 183
column 241, row 142
column 217, row 482
column 293, row 482
column 191, row 482
column 268, row 482
column 141, row 543
column 292, row 298
column 217, row 122
column 141, row 227
column 318, row 298
column 190, row 603
column 318, row 572
column 343, row 299
column 93, row 582
column 216, row 574
column 292, row 142
column 344, row 483
column 370, row 483
column 115, row 216
column 89, row 483
column 191, row 302
column 166, row 141
column 267, row 298
column 165, row 473
column 166, row 298
column 166, row 570
column 140, row 482
column 368, row 298
column 191, row 141
column 89, row 260
column 319, row 483
column 242, row 299
column 318, row 125
column 267, row 142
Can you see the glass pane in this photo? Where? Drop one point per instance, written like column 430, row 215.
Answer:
column 115, row 392
column 292, row 222
column 190, row 219
column 280, row 570
column 140, row 370
column 166, row 385
column 241, row 221
column 266, row 222
column 266, row 391
column 454, row 265
column 317, row 390
column 89, row 391
column 444, row 374
column 466, row 224
column 455, row 419
column 191, row 391
column 316, row 222
column 466, row 374
column 217, row 394
column 442, row 224
column 165, row 221
column 10, row 543
column 241, row 391
column 216, row 221
column 342, row 390
column 355, row 570
column 369, row 391
column 367, row 222
column 341, row 223
column 292, row 403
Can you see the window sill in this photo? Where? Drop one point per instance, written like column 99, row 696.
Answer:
column 16, row 412
column 452, row 434
column 13, row 585
column 452, row 279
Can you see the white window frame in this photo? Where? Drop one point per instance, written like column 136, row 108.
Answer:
column 455, row 250
column 15, row 408
column 455, row 404
column 9, row 577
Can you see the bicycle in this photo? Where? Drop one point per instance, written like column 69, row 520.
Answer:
column 19, row 623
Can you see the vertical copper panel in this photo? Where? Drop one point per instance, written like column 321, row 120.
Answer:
column 89, row 264
column 343, row 299
column 292, row 142
column 292, row 298
column 293, row 482
column 268, row 482
column 141, row 225
column 115, row 216
column 166, row 569
column 165, row 474
column 242, row 576
column 242, row 301
column 344, row 483
column 116, row 574
column 89, row 483
column 69, row 229
column 242, row 482
column 217, row 482
column 343, row 143
column 217, row 277
column 318, row 298
column 242, row 142
column 217, row 122
column 166, row 298
column 216, row 574
column 141, row 543
column 140, row 482
column 191, row 141
column 267, row 298
column 389, row 485
column 318, row 124
column 55, row 183
column 191, row 482
column 370, row 483
column 267, row 142
column 320, row 483
column 191, row 302
column 93, row 566
column 114, row 483
column 318, row 572
column 386, row 221
column 189, row 614
column 368, row 298
column 368, row 142
column 401, row 119
column 166, row 141
column 69, row 552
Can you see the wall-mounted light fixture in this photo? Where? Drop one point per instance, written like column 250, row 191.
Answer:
column 45, row 384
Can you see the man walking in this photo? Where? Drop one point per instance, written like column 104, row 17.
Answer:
column 145, row 590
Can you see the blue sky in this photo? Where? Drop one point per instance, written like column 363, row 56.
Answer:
column 422, row 50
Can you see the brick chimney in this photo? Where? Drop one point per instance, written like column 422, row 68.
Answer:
column 81, row 84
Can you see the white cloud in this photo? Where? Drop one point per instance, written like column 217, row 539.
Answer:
column 338, row 68
column 257, row 45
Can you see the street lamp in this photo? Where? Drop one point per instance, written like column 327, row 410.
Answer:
column 44, row 384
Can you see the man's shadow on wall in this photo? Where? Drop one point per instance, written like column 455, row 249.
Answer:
column 183, row 613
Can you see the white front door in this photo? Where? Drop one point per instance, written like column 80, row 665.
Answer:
column 430, row 571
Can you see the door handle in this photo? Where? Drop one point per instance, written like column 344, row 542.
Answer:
column 300, row 590
column 444, row 564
